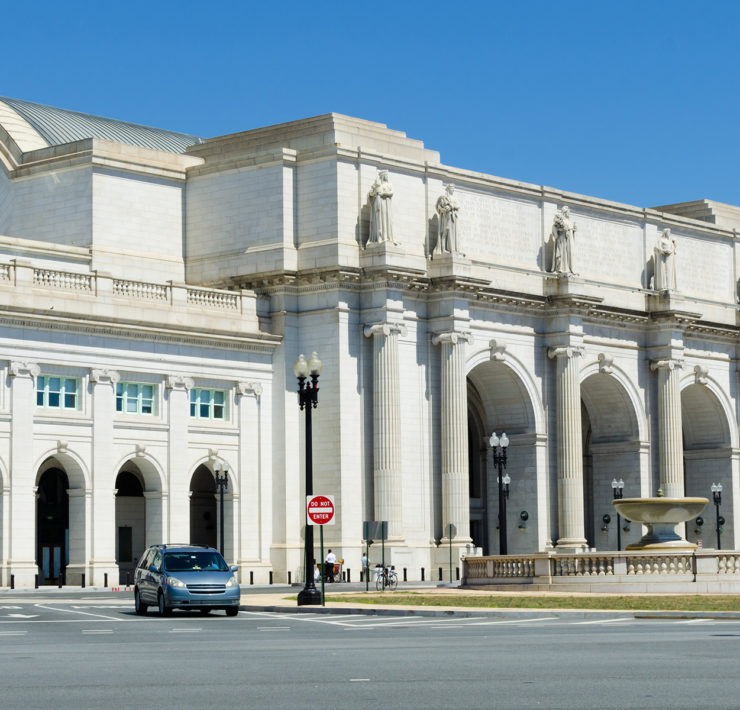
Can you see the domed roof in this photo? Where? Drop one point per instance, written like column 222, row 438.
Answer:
column 57, row 126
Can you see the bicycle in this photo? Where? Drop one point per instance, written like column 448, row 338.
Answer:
column 387, row 579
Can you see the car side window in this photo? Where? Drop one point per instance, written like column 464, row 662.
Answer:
column 146, row 559
column 158, row 559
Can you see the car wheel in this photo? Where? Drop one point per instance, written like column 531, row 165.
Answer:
column 232, row 610
column 139, row 606
column 164, row 610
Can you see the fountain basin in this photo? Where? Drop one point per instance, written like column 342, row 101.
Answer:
column 660, row 515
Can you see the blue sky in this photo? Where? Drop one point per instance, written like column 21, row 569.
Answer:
column 636, row 102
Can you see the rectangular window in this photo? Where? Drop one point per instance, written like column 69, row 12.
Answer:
column 208, row 404
column 134, row 399
column 56, row 392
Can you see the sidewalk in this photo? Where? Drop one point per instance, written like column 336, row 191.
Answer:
column 284, row 602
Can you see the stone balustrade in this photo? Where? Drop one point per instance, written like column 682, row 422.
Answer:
column 141, row 290
column 69, row 281
column 686, row 571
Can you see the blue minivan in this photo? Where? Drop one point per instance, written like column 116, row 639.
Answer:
column 185, row 577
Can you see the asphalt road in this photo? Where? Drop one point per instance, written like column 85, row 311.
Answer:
column 78, row 650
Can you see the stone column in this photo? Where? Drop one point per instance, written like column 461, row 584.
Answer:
column 248, row 507
column 454, row 434
column 570, row 448
column 22, row 508
column 387, row 424
column 670, row 430
column 178, row 479
column 104, row 531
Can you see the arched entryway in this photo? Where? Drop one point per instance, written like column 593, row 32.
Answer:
column 52, row 525
column 708, row 458
column 498, row 400
column 611, row 449
column 203, row 508
column 130, row 521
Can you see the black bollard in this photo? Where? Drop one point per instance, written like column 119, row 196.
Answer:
column 251, row 576
column 105, row 580
column 422, row 574
column 349, row 576
column 404, row 575
column 270, row 576
column 83, row 580
column 289, row 577
column 12, row 581
column 457, row 573
column 59, row 580
column 440, row 574
column 35, row 581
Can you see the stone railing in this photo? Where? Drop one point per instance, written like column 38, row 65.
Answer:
column 66, row 280
column 211, row 298
column 664, row 564
column 728, row 563
column 588, row 565
column 141, row 290
column 104, row 285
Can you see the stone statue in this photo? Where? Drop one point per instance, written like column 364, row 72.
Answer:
column 563, row 236
column 447, row 209
column 664, row 262
column 381, row 215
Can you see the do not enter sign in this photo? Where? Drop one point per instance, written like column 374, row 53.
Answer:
column 320, row 510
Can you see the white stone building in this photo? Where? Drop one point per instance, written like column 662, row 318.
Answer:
column 156, row 289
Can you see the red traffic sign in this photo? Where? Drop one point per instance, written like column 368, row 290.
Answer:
column 320, row 510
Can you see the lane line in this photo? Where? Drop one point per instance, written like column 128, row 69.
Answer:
column 603, row 621
column 13, row 633
column 97, row 631
column 72, row 611
column 185, row 631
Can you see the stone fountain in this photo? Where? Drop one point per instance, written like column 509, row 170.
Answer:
column 660, row 515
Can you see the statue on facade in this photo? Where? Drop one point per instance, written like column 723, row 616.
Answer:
column 664, row 262
column 381, row 215
column 563, row 238
column 447, row 211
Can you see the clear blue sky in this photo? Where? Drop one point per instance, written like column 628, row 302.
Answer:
column 636, row 102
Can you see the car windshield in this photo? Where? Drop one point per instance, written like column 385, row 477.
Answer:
column 205, row 561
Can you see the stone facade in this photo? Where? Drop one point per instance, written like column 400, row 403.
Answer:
column 173, row 291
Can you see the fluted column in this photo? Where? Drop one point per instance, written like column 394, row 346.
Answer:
column 178, row 480
column 387, row 423
column 454, row 435
column 570, row 448
column 670, row 430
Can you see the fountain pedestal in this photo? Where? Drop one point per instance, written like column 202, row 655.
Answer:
column 660, row 515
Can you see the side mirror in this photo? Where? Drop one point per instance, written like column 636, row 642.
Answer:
column 153, row 568
column 234, row 568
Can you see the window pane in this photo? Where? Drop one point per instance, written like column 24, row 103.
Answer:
column 147, row 391
column 119, row 389
column 70, row 400
column 204, row 411
column 132, row 390
column 40, row 398
column 193, row 395
column 131, row 406
column 55, row 384
column 119, row 404
column 53, row 399
column 70, row 385
column 218, row 397
column 218, row 411
column 205, row 396
column 192, row 410
column 146, row 407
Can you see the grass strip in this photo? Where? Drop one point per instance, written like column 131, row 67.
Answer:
column 668, row 602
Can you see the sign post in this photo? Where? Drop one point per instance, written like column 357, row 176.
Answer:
column 451, row 532
column 320, row 511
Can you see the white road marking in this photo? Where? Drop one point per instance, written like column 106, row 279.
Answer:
column 694, row 621
column 359, row 680
column 273, row 628
column 10, row 607
column 515, row 621
column 22, row 616
column 97, row 631
column 603, row 621
column 185, row 631
column 13, row 633
column 84, row 613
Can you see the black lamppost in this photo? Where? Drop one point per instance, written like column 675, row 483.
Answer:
column 499, row 461
column 222, row 483
column 308, row 398
column 617, row 492
column 717, row 495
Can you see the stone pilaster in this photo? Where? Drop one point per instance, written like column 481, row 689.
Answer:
column 103, row 384
column 250, row 550
column 454, row 435
column 670, row 430
column 387, row 424
column 177, row 458
column 570, row 448
column 22, row 508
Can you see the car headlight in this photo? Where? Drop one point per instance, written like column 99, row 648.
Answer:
column 232, row 582
column 174, row 582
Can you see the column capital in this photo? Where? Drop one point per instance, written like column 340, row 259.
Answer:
column 666, row 364
column 179, row 382
column 452, row 337
column 104, row 377
column 24, row 369
column 249, row 389
column 568, row 351
column 384, row 329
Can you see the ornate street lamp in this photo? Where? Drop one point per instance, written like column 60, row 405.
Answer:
column 717, row 495
column 222, row 483
column 308, row 398
column 499, row 461
column 617, row 493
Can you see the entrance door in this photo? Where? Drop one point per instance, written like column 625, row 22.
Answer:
column 52, row 525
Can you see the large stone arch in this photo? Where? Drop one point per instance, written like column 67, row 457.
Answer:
column 503, row 396
column 76, row 548
column 206, row 499
column 710, row 454
column 614, row 446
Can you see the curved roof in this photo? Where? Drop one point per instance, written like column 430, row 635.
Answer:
column 58, row 126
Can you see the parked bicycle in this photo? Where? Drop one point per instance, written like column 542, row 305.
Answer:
column 386, row 579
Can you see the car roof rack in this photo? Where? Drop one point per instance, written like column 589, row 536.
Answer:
column 165, row 545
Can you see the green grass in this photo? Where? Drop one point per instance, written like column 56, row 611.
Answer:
column 672, row 602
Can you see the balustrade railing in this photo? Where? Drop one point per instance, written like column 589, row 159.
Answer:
column 660, row 564
column 587, row 565
column 224, row 300
column 140, row 290
column 66, row 280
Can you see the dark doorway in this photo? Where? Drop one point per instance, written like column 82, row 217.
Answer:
column 203, row 513
column 130, row 523
column 52, row 525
